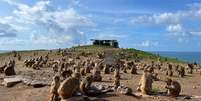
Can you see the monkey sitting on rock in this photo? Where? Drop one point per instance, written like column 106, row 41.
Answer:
column 173, row 88
column 89, row 90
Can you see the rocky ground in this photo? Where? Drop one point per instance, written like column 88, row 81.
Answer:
column 191, row 85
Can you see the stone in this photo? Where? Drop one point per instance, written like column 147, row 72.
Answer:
column 124, row 90
column 38, row 84
column 11, row 81
column 187, row 97
column 77, row 98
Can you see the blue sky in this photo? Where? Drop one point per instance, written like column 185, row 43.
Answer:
column 151, row 25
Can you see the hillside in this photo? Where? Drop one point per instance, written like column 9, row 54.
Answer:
column 129, row 53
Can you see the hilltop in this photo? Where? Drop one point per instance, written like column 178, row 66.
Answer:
column 128, row 53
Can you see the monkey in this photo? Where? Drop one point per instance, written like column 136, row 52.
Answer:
column 82, row 71
column 190, row 68
column 62, row 67
column 134, row 69
column 55, row 67
column 3, row 67
column 116, row 78
column 150, row 69
column 177, row 68
column 14, row 53
column 169, row 71
column 10, row 69
column 173, row 88
column 67, row 73
column 125, row 70
column 87, row 70
column 181, row 71
column 19, row 57
column 70, row 86
column 97, row 73
column 89, row 90
column 54, row 96
column 107, row 69
column 145, row 84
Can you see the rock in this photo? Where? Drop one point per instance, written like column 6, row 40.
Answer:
column 101, row 87
column 77, row 98
column 35, row 83
column 38, row 84
column 187, row 97
column 11, row 81
column 124, row 90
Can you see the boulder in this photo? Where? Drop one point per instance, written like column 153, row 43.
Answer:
column 77, row 98
column 124, row 90
column 11, row 81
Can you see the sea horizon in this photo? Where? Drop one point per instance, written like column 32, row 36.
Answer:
column 186, row 56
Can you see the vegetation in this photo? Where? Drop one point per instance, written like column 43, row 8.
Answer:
column 130, row 53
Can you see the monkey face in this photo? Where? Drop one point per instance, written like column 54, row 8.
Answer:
column 168, row 81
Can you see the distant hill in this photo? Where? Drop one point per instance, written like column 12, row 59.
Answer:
column 3, row 51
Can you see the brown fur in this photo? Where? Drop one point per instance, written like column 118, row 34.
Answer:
column 69, row 87
column 145, row 85
column 54, row 96
column 133, row 70
column 116, row 82
column 173, row 88
column 181, row 71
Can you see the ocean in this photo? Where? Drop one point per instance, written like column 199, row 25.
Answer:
column 185, row 56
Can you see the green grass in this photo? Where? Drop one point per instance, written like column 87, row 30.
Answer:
column 130, row 53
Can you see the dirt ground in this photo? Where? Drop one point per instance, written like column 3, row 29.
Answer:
column 191, row 86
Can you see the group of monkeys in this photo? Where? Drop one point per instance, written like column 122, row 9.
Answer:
column 80, row 78
column 75, row 76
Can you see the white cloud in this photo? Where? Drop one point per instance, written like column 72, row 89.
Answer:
column 48, row 25
column 163, row 18
column 147, row 43
column 176, row 24
column 174, row 28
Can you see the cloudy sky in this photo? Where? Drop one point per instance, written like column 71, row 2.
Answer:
column 151, row 25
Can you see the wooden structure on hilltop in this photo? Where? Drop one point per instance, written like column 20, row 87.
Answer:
column 112, row 43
